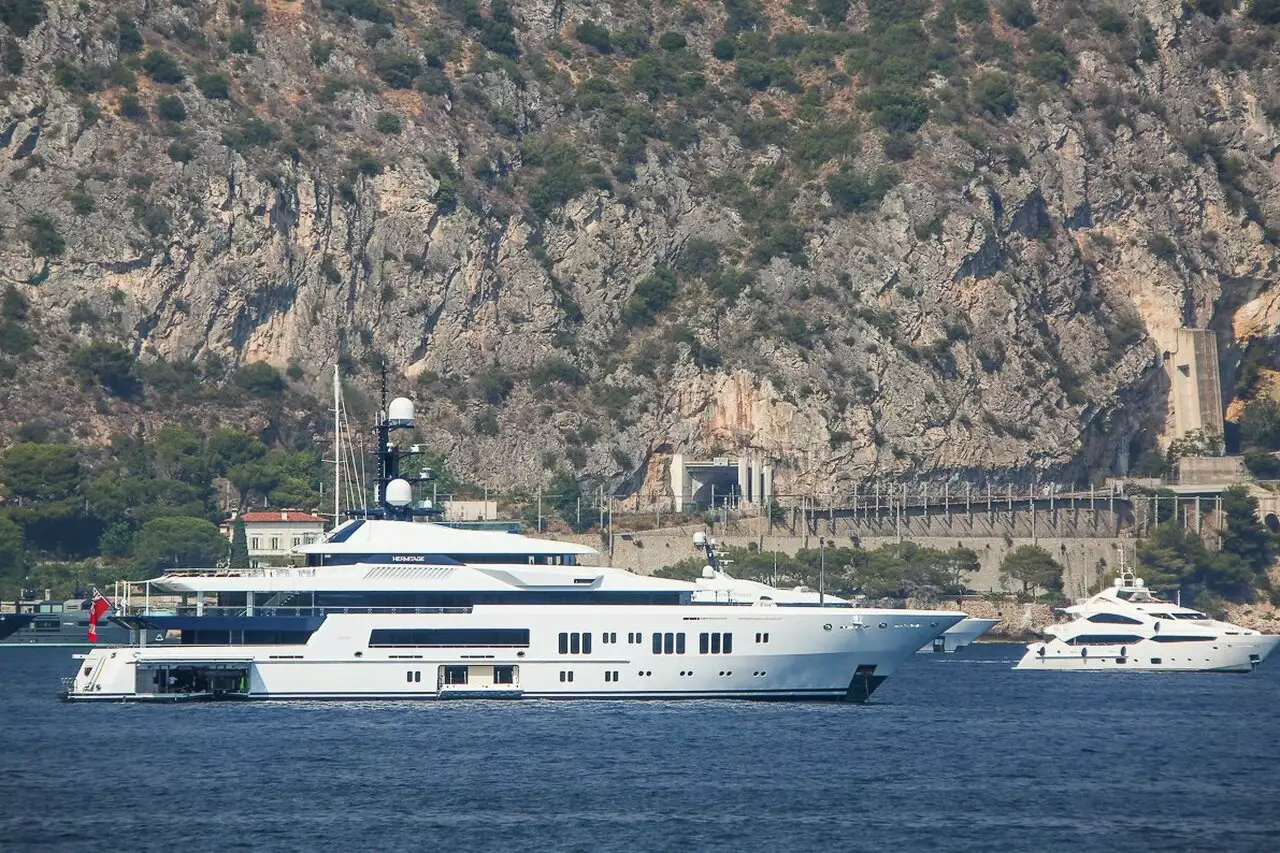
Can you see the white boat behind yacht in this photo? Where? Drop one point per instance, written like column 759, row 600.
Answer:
column 958, row 636
column 1127, row 628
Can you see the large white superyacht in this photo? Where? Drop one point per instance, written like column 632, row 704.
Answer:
column 388, row 607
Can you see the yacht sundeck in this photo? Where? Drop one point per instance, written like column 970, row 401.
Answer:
column 387, row 607
column 1127, row 628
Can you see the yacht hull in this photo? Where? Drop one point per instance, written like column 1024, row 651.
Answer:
column 788, row 653
column 1225, row 654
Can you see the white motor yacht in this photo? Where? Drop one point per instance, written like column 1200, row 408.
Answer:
column 1127, row 628
column 389, row 607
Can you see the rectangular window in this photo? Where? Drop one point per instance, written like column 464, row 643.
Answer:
column 608, row 676
column 766, row 638
column 455, row 675
column 668, row 644
column 657, row 643
column 504, row 675
column 408, row 676
column 703, row 643
column 275, row 543
column 679, row 644
column 417, row 676
column 297, row 541
column 586, row 644
column 715, row 644
column 255, row 543
column 440, row 637
column 728, row 644
column 564, row 643
column 563, row 674
column 575, row 643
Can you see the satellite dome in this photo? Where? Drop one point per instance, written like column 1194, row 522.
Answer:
column 399, row 493
column 400, row 412
column 708, row 572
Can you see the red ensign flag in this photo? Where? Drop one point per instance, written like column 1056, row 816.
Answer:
column 99, row 606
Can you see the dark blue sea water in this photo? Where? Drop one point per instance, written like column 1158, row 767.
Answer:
column 954, row 753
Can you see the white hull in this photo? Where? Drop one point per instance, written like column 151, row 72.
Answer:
column 810, row 653
column 958, row 636
column 1232, row 653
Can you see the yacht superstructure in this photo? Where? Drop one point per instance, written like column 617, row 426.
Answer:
column 389, row 607
column 1126, row 627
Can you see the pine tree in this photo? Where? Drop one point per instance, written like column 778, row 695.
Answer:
column 239, row 545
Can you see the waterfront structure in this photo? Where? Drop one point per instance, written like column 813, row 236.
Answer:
column 1127, row 628
column 747, row 478
column 1195, row 386
column 273, row 535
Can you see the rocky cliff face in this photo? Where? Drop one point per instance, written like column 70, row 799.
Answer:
column 714, row 227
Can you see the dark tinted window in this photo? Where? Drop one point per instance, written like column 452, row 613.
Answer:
column 1104, row 640
column 728, row 644
column 399, row 637
column 1114, row 618
column 586, row 644
column 1166, row 638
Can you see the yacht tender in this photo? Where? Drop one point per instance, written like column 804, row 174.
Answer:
column 1127, row 628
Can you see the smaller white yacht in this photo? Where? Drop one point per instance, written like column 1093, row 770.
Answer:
column 1127, row 628
column 958, row 636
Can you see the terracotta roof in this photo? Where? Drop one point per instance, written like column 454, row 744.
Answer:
column 289, row 515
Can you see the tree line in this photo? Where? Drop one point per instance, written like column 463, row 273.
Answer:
column 152, row 501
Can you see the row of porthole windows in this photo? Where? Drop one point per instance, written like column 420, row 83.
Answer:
column 759, row 674
column 726, row 672
column 684, row 673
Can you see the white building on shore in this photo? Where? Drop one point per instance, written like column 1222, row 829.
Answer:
column 273, row 534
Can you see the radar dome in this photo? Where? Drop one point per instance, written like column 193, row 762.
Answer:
column 708, row 572
column 400, row 412
column 399, row 493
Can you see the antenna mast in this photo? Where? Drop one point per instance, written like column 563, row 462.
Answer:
column 337, row 448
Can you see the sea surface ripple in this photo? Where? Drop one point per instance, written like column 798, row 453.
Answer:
column 956, row 752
